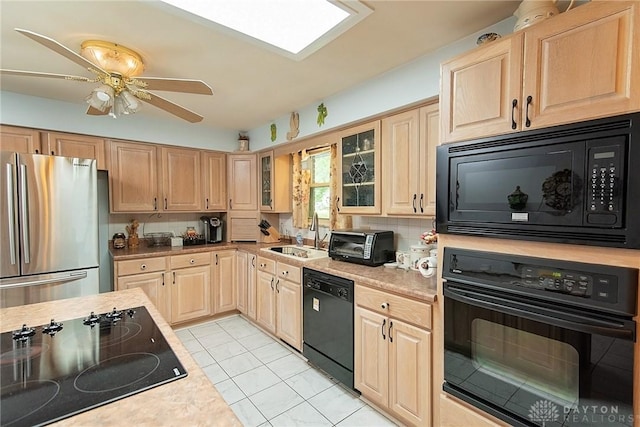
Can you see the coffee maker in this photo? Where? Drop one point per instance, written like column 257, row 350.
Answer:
column 213, row 229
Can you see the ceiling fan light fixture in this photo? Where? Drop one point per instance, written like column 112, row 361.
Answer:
column 131, row 103
column 113, row 57
column 101, row 97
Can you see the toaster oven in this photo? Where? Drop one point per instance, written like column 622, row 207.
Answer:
column 367, row 247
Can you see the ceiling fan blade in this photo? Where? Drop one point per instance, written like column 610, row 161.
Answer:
column 95, row 112
column 172, row 108
column 176, row 85
column 61, row 49
column 48, row 75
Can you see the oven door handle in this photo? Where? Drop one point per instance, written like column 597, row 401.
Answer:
column 610, row 328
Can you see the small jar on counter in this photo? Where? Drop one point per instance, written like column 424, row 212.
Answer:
column 119, row 241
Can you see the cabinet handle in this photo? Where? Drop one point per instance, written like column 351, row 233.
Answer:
column 284, row 273
column 277, row 290
column 263, row 265
column 53, row 153
column 384, row 322
column 253, row 261
column 528, row 122
column 155, row 203
column 271, row 283
column 174, row 277
column 206, row 202
column 415, row 196
column 390, row 327
column 384, row 305
column 143, row 266
column 37, row 151
column 192, row 261
column 421, row 202
column 162, row 279
column 165, row 203
column 338, row 204
column 216, row 259
column 514, row 104
column 230, row 204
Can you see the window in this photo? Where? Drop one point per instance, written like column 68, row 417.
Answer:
column 319, row 164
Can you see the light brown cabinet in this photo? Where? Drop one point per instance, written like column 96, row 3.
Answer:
column 279, row 300
column 20, row 140
column 180, row 179
column 275, row 182
column 133, row 177
column 358, row 169
column 71, row 145
column 576, row 66
column 409, row 142
column 224, row 276
column 148, row 274
column 243, row 181
column 252, row 269
column 214, row 181
column 393, row 354
column 246, row 283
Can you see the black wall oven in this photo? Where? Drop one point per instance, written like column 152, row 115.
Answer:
column 567, row 184
column 539, row 342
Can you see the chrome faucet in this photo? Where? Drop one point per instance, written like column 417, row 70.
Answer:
column 314, row 227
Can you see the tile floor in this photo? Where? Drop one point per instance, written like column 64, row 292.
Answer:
column 268, row 384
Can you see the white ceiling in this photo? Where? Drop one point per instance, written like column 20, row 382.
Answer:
column 251, row 85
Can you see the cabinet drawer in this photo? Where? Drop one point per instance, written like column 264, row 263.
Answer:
column 144, row 265
column 267, row 265
column 415, row 312
column 288, row 272
column 190, row 260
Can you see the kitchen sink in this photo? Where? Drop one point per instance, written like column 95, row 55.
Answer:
column 301, row 253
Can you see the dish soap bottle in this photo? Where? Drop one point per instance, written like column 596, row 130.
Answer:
column 299, row 240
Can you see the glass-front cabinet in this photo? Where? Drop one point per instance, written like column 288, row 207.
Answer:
column 266, row 181
column 275, row 182
column 359, row 169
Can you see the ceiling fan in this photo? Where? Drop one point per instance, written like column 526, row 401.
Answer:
column 118, row 70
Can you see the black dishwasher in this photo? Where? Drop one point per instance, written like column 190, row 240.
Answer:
column 328, row 324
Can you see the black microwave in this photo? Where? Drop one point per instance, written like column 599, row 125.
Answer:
column 577, row 183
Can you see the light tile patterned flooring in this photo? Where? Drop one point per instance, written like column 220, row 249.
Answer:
column 268, row 384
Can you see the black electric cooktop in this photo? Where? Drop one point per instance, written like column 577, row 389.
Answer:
column 60, row 369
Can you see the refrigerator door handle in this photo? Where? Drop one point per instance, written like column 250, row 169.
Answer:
column 24, row 213
column 43, row 279
column 11, row 213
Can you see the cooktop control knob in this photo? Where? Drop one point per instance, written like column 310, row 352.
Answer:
column 91, row 320
column 24, row 333
column 52, row 328
column 114, row 316
column 131, row 312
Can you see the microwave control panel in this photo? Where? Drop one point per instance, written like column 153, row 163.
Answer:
column 605, row 173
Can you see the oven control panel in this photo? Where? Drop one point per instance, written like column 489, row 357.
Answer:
column 595, row 286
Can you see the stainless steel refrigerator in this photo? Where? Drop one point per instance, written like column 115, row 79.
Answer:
column 48, row 228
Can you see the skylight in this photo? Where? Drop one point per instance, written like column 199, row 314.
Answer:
column 291, row 25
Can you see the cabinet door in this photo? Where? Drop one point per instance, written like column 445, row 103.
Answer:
column 275, row 182
column 181, row 178
column 242, row 182
column 241, row 280
column 429, row 140
column 251, row 286
column 154, row 285
column 224, row 285
column 478, row 90
column 289, row 312
column 69, row 145
column 266, row 181
column 371, row 356
column 190, row 293
column 401, row 163
column 266, row 301
column 214, row 180
column 359, row 170
column 410, row 372
column 583, row 64
column 20, row 140
column 134, row 182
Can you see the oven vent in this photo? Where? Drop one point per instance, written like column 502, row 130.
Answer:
column 533, row 136
column 540, row 235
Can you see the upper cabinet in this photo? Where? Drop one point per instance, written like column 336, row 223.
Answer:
column 275, row 182
column 409, row 143
column 181, row 179
column 214, row 180
column 576, row 66
column 243, row 182
column 359, row 169
column 150, row 178
column 71, row 145
column 21, row 140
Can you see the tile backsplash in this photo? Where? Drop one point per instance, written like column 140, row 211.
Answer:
column 176, row 223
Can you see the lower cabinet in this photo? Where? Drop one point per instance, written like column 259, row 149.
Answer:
column 246, row 283
column 190, row 286
column 393, row 354
column 150, row 274
column 224, row 280
column 279, row 300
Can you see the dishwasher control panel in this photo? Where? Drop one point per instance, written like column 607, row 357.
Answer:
column 328, row 284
